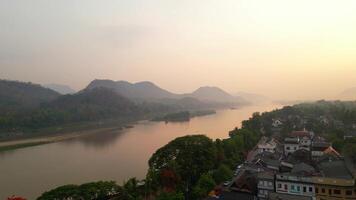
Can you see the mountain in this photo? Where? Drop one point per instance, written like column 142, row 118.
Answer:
column 142, row 90
column 19, row 95
column 62, row 89
column 214, row 94
column 97, row 103
column 148, row 91
column 251, row 97
column 349, row 94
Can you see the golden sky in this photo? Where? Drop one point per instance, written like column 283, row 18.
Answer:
column 294, row 49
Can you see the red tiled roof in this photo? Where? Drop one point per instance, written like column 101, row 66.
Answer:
column 300, row 134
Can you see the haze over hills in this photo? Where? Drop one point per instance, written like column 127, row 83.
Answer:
column 20, row 95
column 252, row 97
column 62, row 89
column 142, row 90
column 148, row 91
column 26, row 107
column 348, row 94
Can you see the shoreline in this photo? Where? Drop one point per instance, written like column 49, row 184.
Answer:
column 40, row 140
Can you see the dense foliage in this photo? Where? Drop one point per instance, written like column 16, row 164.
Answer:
column 96, row 190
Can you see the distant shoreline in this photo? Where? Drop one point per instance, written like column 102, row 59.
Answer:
column 39, row 140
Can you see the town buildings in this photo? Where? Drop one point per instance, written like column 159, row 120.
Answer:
column 302, row 167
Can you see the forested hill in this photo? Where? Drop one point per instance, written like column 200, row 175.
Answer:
column 19, row 95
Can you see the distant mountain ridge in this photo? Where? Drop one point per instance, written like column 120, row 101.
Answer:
column 149, row 91
column 348, row 94
column 20, row 95
column 208, row 93
column 62, row 89
column 140, row 90
column 252, row 97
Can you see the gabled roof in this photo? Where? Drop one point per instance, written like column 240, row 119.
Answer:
column 300, row 134
column 335, row 169
column 303, row 169
column 233, row 196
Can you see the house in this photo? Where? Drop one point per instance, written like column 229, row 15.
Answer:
column 318, row 148
column 295, row 184
column 334, row 182
column 227, row 195
column 276, row 123
column 291, row 144
column 246, row 182
column 279, row 196
column 266, row 144
column 265, row 184
column 305, row 138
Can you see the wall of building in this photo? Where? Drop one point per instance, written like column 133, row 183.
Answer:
column 295, row 188
column 329, row 192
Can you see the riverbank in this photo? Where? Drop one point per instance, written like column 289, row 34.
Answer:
column 28, row 142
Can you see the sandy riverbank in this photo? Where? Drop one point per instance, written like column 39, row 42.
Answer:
column 21, row 143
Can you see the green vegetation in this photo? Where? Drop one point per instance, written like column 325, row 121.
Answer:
column 175, row 117
column 184, row 115
column 96, row 190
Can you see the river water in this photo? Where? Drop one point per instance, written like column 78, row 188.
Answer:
column 116, row 155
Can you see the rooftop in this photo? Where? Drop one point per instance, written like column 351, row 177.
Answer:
column 232, row 196
column 335, row 169
column 278, row 196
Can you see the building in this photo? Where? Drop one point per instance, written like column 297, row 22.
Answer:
column 266, row 144
column 335, row 182
column 318, row 148
column 265, row 184
column 291, row 144
column 288, row 183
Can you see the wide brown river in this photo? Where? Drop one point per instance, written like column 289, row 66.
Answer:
column 115, row 155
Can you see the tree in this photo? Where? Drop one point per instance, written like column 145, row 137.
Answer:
column 96, row 190
column 205, row 184
column 170, row 196
column 185, row 158
column 223, row 173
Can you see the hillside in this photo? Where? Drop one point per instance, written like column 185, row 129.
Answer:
column 88, row 105
column 148, row 91
column 142, row 90
column 19, row 95
column 212, row 94
column 62, row 89
column 349, row 94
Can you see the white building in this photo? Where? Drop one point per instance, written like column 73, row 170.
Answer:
column 295, row 185
column 291, row 145
column 266, row 145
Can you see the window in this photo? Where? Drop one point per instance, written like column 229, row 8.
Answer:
column 298, row 188
column 260, row 182
column 279, row 185
column 329, row 191
column 295, row 148
column 288, row 148
column 349, row 192
column 317, row 190
column 323, row 190
column 304, row 189
column 337, row 192
column 265, row 183
column 292, row 187
column 286, row 187
column 310, row 189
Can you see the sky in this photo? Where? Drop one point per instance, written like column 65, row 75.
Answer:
column 296, row 49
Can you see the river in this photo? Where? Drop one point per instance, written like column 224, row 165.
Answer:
column 116, row 155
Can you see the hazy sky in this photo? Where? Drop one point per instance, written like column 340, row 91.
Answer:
column 282, row 48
